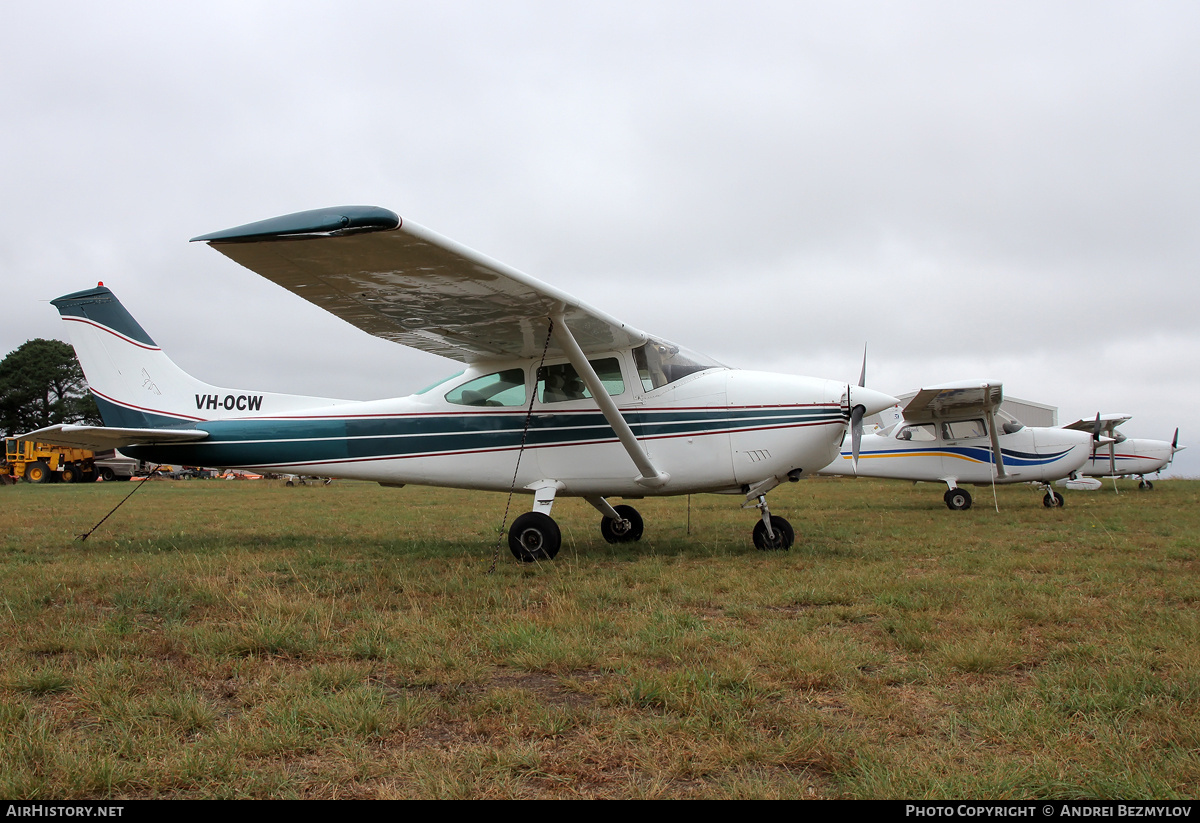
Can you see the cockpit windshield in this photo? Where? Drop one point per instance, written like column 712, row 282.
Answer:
column 1007, row 423
column 659, row 363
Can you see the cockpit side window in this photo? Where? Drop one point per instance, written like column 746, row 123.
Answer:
column 962, row 429
column 1007, row 423
column 502, row 388
column 659, row 363
column 561, row 382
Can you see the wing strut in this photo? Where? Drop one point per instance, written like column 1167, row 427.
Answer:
column 991, row 424
column 650, row 475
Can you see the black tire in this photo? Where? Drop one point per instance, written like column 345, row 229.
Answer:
column 534, row 536
column 70, row 474
column 1053, row 500
column 627, row 530
column 37, row 472
column 784, row 535
column 957, row 500
column 1145, row 485
column 106, row 474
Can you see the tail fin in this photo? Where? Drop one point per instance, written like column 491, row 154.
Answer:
column 137, row 386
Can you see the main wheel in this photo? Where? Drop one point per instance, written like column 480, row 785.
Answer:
column 626, row 530
column 957, row 499
column 534, row 536
column 37, row 472
column 1053, row 500
column 782, row 540
column 70, row 474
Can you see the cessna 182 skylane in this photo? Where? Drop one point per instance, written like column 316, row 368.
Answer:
column 596, row 407
column 956, row 434
column 1125, row 456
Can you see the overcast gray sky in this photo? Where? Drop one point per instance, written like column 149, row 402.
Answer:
column 1002, row 190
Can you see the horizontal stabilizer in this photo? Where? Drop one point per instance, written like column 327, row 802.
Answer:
column 103, row 438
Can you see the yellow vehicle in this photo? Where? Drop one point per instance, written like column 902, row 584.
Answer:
column 46, row 463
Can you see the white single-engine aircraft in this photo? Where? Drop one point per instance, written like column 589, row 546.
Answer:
column 596, row 408
column 956, row 434
column 1125, row 456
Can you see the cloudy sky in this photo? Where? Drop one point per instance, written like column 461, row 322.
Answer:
column 1002, row 190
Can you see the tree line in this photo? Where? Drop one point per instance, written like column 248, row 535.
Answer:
column 41, row 384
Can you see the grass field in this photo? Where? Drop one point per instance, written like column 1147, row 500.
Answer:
column 241, row 639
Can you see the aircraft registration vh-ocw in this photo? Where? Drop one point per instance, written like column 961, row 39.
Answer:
column 597, row 408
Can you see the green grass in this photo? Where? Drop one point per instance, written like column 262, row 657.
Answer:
column 224, row 640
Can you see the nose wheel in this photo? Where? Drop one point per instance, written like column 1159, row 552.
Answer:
column 779, row 539
column 772, row 533
column 1052, row 500
column 957, row 499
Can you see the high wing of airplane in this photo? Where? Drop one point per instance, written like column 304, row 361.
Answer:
column 956, row 434
column 556, row 398
column 1123, row 456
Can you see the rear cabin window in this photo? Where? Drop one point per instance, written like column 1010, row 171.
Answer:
column 918, row 433
column 502, row 388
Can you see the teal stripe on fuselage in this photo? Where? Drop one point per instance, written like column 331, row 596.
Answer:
column 270, row 442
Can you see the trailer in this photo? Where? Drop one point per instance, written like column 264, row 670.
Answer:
column 112, row 465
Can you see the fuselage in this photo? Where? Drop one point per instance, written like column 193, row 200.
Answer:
column 942, row 452
column 1129, row 457
column 717, row 429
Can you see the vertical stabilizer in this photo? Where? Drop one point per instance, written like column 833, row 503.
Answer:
column 137, row 386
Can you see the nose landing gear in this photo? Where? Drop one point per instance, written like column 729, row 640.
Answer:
column 772, row 533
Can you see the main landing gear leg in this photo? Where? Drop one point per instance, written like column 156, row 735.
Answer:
column 772, row 533
column 621, row 524
column 534, row 535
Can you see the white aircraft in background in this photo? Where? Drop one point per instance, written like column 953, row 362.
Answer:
column 556, row 398
column 956, row 434
column 1125, row 456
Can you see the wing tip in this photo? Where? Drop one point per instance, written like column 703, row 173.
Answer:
column 319, row 222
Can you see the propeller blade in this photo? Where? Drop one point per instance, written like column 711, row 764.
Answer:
column 862, row 377
column 1175, row 441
